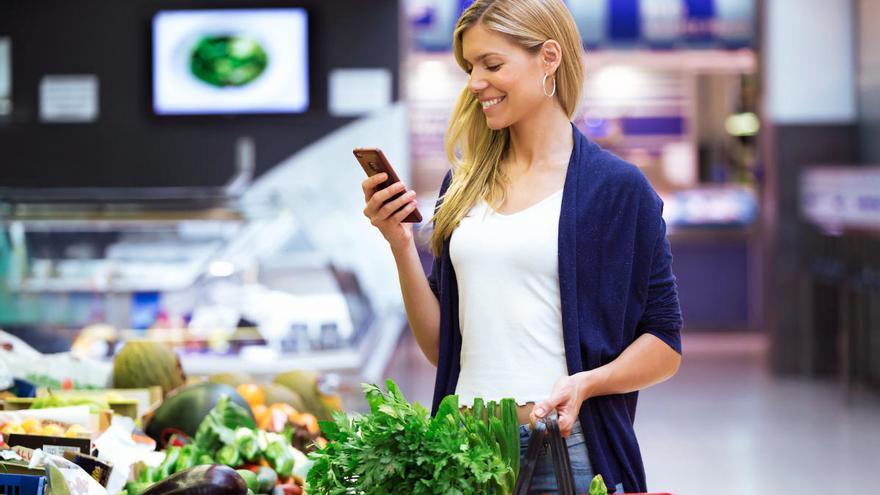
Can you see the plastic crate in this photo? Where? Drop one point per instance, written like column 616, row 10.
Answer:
column 21, row 484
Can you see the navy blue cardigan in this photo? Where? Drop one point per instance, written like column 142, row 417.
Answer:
column 616, row 283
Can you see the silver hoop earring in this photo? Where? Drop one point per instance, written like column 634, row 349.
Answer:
column 544, row 85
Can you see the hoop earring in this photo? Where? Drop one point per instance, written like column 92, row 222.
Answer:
column 544, row 85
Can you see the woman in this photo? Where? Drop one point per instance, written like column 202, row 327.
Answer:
column 552, row 279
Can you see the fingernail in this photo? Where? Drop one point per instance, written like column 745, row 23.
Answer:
column 539, row 412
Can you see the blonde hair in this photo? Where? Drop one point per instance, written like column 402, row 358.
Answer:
column 474, row 150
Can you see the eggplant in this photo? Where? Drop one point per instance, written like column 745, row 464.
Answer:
column 201, row 480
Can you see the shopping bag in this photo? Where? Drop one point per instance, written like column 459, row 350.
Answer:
column 546, row 431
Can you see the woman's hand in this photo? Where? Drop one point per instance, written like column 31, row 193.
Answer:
column 387, row 217
column 566, row 399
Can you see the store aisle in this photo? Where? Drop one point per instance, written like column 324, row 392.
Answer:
column 724, row 426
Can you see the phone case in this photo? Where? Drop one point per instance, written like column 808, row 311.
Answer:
column 373, row 161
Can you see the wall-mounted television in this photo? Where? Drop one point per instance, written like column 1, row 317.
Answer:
column 230, row 61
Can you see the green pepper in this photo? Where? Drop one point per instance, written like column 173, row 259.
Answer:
column 228, row 455
column 167, row 467
column 205, row 459
column 275, row 449
column 146, row 475
column 597, row 486
column 246, row 442
column 187, row 459
column 283, row 464
column 249, row 477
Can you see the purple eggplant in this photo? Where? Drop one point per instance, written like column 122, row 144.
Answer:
column 208, row 479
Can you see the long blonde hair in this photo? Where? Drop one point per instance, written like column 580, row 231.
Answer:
column 475, row 150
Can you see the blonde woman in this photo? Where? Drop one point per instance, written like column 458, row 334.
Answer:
column 552, row 279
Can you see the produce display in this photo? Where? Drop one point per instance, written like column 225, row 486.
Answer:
column 400, row 448
column 231, row 436
column 228, row 435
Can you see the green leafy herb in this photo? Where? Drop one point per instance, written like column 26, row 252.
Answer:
column 399, row 448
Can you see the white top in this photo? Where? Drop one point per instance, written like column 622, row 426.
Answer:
column 507, row 268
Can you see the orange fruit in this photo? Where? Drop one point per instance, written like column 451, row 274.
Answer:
column 253, row 394
column 311, row 423
column 260, row 411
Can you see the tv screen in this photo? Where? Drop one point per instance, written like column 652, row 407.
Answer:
column 230, row 61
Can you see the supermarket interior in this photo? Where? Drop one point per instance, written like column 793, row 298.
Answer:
column 188, row 279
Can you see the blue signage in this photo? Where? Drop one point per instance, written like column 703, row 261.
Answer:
column 653, row 24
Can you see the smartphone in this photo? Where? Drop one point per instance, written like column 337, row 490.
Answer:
column 373, row 162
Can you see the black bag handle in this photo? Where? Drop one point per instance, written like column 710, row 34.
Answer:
column 546, row 430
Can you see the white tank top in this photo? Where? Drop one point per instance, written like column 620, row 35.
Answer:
column 507, row 268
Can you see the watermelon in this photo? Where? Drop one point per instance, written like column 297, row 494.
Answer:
column 185, row 408
column 144, row 363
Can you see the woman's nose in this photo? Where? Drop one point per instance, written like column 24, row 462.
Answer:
column 476, row 84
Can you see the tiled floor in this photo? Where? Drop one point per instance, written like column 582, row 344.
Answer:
column 724, row 426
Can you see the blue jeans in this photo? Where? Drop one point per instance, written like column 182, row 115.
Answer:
column 544, row 479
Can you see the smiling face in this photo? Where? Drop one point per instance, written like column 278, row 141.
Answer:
column 504, row 76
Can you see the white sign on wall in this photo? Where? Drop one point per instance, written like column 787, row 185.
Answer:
column 69, row 98
column 354, row 92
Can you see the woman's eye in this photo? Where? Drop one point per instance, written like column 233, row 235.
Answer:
column 493, row 68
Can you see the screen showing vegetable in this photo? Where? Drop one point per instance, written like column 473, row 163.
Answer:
column 230, row 61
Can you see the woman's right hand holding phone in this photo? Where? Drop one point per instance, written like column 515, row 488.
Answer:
column 387, row 217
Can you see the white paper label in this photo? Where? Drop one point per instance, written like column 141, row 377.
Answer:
column 72, row 98
column 59, row 450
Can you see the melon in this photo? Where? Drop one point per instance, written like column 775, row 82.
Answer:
column 144, row 363
column 276, row 393
column 305, row 384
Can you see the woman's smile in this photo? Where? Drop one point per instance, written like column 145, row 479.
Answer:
column 491, row 103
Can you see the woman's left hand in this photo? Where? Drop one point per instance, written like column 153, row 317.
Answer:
column 567, row 396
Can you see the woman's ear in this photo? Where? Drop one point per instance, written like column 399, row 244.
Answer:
column 551, row 56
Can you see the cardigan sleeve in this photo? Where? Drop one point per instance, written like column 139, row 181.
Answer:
column 434, row 276
column 662, row 315
column 436, row 265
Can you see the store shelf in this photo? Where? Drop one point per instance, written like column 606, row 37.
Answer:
column 369, row 358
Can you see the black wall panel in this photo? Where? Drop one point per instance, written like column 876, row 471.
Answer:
column 130, row 147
